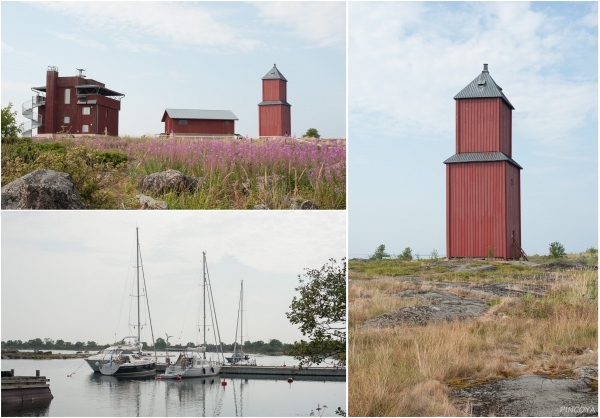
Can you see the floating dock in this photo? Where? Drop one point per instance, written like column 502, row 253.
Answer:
column 290, row 371
column 287, row 371
column 25, row 391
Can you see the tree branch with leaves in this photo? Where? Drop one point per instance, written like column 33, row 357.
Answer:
column 320, row 310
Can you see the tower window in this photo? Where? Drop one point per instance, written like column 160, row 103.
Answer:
column 85, row 110
column 85, row 128
column 67, row 119
column 67, row 96
column 511, row 183
column 107, row 113
column 183, row 121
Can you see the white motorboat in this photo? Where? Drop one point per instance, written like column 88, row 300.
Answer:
column 124, row 363
column 112, row 351
column 193, row 362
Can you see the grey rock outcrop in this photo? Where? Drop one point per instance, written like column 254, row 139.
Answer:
column 170, row 180
column 530, row 396
column 445, row 307
column 148, row 203
column 42, row 189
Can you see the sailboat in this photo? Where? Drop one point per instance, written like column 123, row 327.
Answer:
column 193, row 362
column 240, row 358
column 126, row 363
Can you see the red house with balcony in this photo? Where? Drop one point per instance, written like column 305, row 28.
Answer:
column 483, row 182
column 274, row 112
column 199, row 122
column 76, row 105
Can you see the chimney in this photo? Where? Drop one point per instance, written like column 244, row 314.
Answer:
column 485, row 70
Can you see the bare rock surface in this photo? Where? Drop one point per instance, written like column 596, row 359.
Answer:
column 148, row 203
column 498, row 289
column 444, row 307
column 530, row 396
column 42, row 189
column 166, row 181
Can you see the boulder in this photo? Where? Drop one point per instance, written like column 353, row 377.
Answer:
column 260, row 207
column 147, row 202
column 170, row 180
column 42, row 189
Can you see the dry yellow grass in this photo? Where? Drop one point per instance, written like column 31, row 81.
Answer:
column 401, row 371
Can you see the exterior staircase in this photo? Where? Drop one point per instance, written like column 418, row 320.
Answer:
column 35, row 119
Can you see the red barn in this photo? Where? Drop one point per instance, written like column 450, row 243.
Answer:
column 274, row 116
column 483, row 182
column 198, row 122
column 77, row 105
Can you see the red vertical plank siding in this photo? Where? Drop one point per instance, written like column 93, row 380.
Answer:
column 476, row 209
column 478, row 125
column 505, row 129
column 274, row 90
column 513, row 213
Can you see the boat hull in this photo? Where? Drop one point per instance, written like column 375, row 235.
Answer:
column 173, row 373
column 128, row 369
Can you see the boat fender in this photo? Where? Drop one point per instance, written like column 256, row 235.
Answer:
column 223, row 383
column 203, row 370
column 290, row 380
column 178, row 378
column 212, row 369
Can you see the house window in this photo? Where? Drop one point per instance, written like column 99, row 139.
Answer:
column 85, row 111
column 67, row 96
column 67, row 119
column 107, row 113
column 85, row 128
column 226, row 123
column 183, row 121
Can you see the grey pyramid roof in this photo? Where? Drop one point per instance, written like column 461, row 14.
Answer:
column 475, row 157
column 482, row 87
column 274, row 74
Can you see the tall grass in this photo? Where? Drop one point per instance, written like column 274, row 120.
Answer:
column 404, row 371
column 237, row 173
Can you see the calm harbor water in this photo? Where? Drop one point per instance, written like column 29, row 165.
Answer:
column 91, row 394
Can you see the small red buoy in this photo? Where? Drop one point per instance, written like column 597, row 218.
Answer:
column 223, row 383
column 158, row 378
column 290, row 380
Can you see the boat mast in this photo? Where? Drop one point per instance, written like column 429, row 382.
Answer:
column 242, row 319
column 204, row 299
column 137, row 240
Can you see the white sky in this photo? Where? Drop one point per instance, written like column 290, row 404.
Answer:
column 196, row 55
column 64, row 274
column 406, row 62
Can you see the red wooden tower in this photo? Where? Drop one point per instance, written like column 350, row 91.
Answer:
column 274, row 117
column 483, row 182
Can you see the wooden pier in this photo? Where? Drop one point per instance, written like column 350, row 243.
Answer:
column 25, row 391
column 289, row 371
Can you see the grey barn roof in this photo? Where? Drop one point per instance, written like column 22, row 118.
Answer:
column 483, row 86
column 274, row 102
column 274, row 74
column 199, row 114
column 474, row 157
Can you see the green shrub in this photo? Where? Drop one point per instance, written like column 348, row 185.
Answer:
column 406, row 254
column 111, row 157
column 557, row 250
column 379, row 253
column 312, row 133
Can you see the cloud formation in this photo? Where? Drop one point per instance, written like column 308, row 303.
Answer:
column 183, row 24
column 323, row 24
column 407, row 60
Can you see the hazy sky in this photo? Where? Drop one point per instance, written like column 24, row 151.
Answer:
column 184, row 55
column 407, row 60
column 67, row 275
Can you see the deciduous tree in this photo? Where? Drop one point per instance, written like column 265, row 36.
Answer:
column 320, row 310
